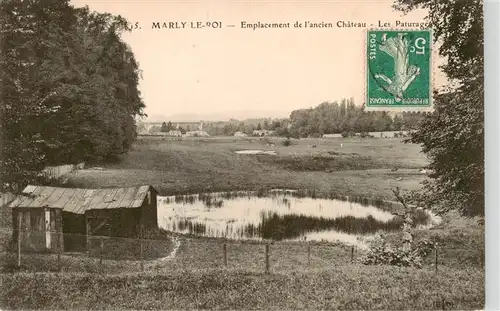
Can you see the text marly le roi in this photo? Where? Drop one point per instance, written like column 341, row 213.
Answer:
column 182, row 25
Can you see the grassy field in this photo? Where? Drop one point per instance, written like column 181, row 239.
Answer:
column 341, row 287
column 197, row 278
column 361, row 167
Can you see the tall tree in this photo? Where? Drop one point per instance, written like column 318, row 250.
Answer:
column 33, row 74
column 397, row 122
column 266, row 125
column 453, row 135
column 69, row 87
column 328, row 118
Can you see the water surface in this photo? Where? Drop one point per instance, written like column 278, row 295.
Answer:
column 278, row 215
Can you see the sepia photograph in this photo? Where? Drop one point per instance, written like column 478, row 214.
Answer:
column 243, row 155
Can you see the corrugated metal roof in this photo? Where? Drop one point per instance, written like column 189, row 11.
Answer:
column 79, row 200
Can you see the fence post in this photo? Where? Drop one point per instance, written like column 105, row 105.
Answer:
column 102, row 251
column 352, row 254
column 59, row 249
column 18, row 240
column 267, row 258
column 308, row 254
column 224, row 250
column 87, row 231
column 436, row 263
column 142, row 249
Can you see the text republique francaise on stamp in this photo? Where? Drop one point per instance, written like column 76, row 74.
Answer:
column 399, row 70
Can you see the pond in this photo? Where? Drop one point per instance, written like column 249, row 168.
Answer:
column 275, row 215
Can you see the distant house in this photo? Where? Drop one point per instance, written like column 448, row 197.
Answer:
column 332, row 136
column 196, row 134
column 43, row 213
column 240, row 134
column 263, row 133
column 174, row 133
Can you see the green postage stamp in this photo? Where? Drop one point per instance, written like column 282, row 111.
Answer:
column 398, row 73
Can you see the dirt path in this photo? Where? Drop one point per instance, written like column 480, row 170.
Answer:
column 173, row 253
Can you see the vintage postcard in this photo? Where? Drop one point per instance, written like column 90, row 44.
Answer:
column 249, row 154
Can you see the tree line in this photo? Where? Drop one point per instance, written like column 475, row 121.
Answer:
column 344, row 117
column 69, row 87
column 248, row 126
column 347, row 118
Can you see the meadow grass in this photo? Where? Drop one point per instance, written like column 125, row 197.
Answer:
column 195, row 165
column 197, row 277
column 346, row 287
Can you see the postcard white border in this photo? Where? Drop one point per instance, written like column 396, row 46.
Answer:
column 492, row 152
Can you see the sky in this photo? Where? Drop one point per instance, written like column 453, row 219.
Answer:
column 218, row 72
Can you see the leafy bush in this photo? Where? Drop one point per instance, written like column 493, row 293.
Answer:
column 425, row 247
column 398, row 257
column 381, row 254
column 287, row 142
column 345, row 134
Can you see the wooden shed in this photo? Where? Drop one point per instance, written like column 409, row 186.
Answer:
column 43, row 213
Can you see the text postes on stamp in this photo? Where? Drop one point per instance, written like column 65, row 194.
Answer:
column 398, row 73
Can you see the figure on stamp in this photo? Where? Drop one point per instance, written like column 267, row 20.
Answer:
column 404, row 74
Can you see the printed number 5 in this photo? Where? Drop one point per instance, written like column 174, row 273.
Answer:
column 419, row 47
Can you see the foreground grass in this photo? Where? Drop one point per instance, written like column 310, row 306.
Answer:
column 76, row 263
column 343, row 287
column 197, row 278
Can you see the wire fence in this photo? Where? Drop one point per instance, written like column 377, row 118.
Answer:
column 55, row 251
column 43, row 251
column 36, row 251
